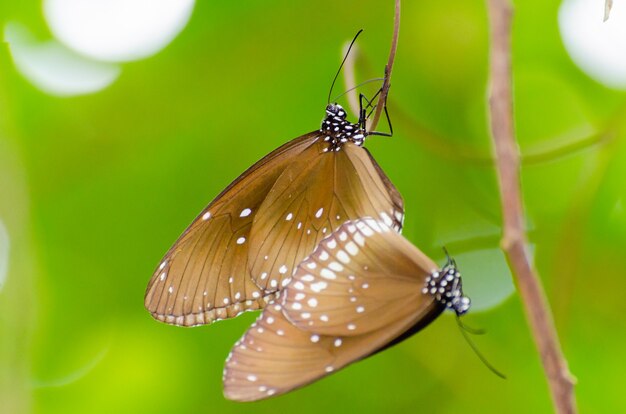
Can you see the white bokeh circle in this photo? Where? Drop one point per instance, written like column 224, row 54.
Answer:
column 55, row 69
column 117, row 30
column 597, row 47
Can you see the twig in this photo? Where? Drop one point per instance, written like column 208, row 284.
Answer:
column 382, row 98
column 514, row 241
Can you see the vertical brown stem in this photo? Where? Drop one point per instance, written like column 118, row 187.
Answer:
column 514, row 241
column 382, row 98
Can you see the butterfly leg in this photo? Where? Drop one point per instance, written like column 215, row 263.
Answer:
column 362, row 111
column 369, row 104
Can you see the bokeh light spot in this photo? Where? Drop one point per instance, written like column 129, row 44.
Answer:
column 53, row 68
column 597, row 47
column 117, row 30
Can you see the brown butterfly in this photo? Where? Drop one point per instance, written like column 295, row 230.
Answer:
column 243, row 247
column 364, row 288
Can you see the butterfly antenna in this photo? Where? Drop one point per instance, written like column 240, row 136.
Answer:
column 358, row 86
column 449, row 259
column 341, row 66
column 477, row 352
column 469, row 329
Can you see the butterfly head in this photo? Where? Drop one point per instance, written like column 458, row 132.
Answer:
column 338, row 129
column 336, row 112
column 446, row 286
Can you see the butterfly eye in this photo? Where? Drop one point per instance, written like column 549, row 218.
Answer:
column 331, row 109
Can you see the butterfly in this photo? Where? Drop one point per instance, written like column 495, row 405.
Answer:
column 244, row 246
column 363, row 289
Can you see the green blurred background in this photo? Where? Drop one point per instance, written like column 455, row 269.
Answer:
column 95, row 187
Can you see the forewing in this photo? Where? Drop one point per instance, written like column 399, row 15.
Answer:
column 358, row 280
column 205, row 274
column 313, row 197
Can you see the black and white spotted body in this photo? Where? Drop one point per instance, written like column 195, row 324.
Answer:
column 338, row 130
column 447, row 288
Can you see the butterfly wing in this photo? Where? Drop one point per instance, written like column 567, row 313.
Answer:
column 313, row 197
column 276, row 355
column 364, row 275
column 205, row 274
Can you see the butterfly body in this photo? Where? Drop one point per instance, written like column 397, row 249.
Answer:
column 244, row 246
column 338, row 130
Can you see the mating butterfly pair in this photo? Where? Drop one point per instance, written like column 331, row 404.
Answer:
column 318, row 218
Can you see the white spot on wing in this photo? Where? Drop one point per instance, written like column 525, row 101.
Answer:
column 335, row 266
column 328, row 274
column 373, row 224
column 365, row 229
column 245, row 212
column 319, row 212
column 241, row 240
column 359, row 239
column 318, row 286
column 343, row 257
column 352, row 248
column 386, row 219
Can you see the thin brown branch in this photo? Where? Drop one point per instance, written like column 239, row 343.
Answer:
column 514, row 243
column 382, row 98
